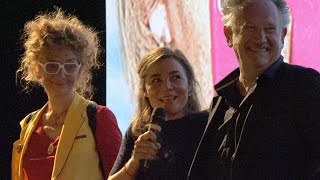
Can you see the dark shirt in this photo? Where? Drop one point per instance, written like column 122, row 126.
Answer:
column 179, row 140
column 274, row 133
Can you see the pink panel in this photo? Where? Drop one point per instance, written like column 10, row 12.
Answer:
column 223, row 57
column 305, row 38
column 305, row 33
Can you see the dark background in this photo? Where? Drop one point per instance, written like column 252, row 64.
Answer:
column 16, row 104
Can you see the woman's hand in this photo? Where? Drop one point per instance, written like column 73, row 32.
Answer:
column 145, row 147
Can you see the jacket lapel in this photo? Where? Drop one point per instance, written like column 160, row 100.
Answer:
column 72, row 124
column 25, row 137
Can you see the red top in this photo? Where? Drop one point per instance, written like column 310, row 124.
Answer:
column 108, row 136
column 38, row 164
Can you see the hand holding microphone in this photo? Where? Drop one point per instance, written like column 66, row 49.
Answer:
column 146, row 146
column 157, row 120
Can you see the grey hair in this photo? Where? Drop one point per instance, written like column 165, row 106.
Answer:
column 232, row 8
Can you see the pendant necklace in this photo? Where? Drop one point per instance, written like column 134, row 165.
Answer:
column 50, row 148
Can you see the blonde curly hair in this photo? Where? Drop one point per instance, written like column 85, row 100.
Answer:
column 59, row 28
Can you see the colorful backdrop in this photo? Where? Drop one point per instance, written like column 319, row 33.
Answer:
column 136, row 27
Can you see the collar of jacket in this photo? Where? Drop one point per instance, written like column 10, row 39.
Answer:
column 227, row 86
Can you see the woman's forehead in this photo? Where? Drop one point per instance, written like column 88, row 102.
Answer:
column 58, row 53
column 166, row 66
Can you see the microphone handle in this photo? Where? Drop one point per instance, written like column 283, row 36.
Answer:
column 155, row 128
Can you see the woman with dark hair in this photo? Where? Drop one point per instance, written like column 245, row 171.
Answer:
column 166, row 81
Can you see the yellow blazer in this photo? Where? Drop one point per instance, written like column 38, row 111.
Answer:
column 76, row 155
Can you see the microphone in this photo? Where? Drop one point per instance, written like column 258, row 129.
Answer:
column 157, row 120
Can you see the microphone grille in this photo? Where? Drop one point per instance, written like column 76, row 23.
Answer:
column 158, row 112
column 158, row 115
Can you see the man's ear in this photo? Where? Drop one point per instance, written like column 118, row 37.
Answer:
column 283, row 35
column 228, row 33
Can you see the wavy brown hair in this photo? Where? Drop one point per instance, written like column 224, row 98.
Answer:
column 59, row 28
column 144, row 108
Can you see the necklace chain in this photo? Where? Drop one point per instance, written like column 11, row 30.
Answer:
column 55, row 117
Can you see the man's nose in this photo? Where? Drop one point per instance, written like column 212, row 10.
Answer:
column 260, row 36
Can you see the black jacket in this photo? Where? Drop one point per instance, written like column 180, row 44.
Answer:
column 274, row 134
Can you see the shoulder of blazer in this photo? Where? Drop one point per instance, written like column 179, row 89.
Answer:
column 91, row 113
